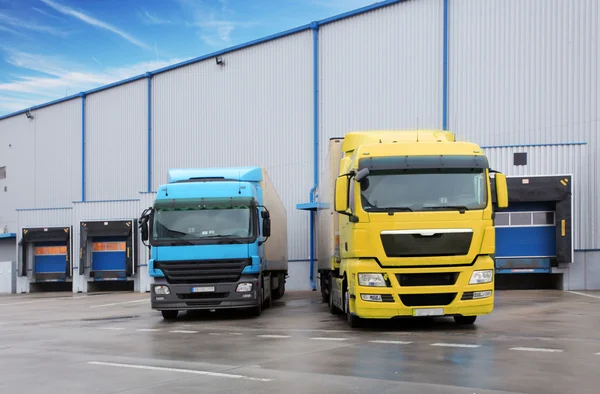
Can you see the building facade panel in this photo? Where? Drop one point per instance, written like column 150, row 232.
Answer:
column 557, row 160
column 381, row 70
column 254, row 109
column 116, row 149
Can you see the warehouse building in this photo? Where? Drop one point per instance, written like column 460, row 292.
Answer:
column 519, row 78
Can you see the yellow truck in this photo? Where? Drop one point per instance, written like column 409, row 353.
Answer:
column 407, row 226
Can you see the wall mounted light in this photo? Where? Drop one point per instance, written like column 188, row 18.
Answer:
column 219, row 60
column 29, row 115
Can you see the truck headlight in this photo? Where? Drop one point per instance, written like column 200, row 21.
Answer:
column 484, row 276
column 243, row 288
column 375, row 280
column 162, row 290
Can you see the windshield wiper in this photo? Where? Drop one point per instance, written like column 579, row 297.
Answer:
column 223, row 237
column 390, row 210
column 460, row 208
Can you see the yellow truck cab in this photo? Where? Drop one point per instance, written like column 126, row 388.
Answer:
column 409, row 226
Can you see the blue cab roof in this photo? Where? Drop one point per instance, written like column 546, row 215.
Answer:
column 243, row 174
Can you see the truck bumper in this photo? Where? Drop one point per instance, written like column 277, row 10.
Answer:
column 204, row 296
column 387, row 310
column 458, row 299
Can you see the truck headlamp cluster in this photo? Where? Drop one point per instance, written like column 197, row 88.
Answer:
column 484, row 276
column 162, row 290
column 243, row 288
column 373, row 280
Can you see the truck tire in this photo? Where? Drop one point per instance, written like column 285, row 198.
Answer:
column 257, row 310
column 169, row 315
column 465, row 320
column 353, row 321
column 332, row 308
column 280, row 290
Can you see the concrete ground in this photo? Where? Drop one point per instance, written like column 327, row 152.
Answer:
column 534, row 342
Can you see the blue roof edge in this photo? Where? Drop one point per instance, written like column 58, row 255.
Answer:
column 308, row 26
column 8, row 235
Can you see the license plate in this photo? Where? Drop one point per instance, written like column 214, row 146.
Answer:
column 206, row 289
column 428, row 312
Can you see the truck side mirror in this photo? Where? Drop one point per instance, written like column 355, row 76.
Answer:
column 144, row 230
column 341, row 194
column 362, row 175
column 501, row 190
column 266, row 226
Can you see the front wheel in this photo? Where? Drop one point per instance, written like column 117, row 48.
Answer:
column 353, row 321
column 169, row 315
column 465, row 320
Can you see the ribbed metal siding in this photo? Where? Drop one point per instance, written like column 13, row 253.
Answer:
column 381, row 70
column 524, row 71
column 116, row 132
column 16, row 142
column 57, row 154
column 254, row 110
column 558, row 160
column 44, row 217
column 42, row 158
column 8, row 250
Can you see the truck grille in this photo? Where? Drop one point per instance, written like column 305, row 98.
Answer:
column 433, row 279
column 203, row 271
column 439, row 299
column 416, row 245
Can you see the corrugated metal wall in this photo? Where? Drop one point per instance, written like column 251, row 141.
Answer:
column 43, row 218
column 526, row 72
column 381, row 70
column 555, row 160
column 42, row 158
column 116, row 149
column 8, row 249
column 257, row 109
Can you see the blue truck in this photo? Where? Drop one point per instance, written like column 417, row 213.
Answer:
column 217, row 239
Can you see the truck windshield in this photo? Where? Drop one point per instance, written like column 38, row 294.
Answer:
column 205, row 225
column 421, row 190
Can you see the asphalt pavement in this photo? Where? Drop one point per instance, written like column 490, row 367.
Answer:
column 534, row 342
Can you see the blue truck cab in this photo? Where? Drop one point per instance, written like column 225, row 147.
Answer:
column 217, row 239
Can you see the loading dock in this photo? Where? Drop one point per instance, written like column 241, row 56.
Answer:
column 108, row 250
column 534, row 234
column 46, row 254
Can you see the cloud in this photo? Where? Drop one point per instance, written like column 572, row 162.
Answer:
column 94, row 22
column 29, row 25
column 63, row 78
column 150, row 19
column 49, row 15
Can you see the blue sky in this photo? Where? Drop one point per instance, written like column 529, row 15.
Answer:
column 53, row 48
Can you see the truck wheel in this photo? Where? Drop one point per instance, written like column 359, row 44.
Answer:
column 280, row 290
column 169, row 315
column 353, row 321
column 257, row 310
column 332, row 308
column 465, row 320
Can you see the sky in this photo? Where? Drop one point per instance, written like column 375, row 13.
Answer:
column 50, row 49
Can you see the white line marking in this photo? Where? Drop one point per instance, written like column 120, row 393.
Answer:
column 183, row 332
column 148, row 329
column 537, row 349
column 465, row 345
column 274, row 336
column 111, row 328
column 393, row 342
column 583, row 294
column 225, row 333
column 190, row 371
column 328, row 339
column 597, row 354
column 120, row 303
